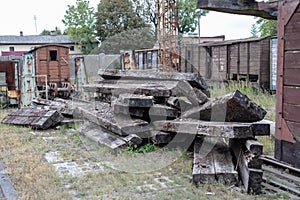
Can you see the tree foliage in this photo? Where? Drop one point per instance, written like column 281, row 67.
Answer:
column 116, row 16
column 80, row 22
column 188, row 15
column 47, row 32
column 148, row 10
column 141, row 38
column 264, row 27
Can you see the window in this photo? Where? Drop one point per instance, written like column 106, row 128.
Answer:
column 71, row 48
column 11, row 48
column 53, row 55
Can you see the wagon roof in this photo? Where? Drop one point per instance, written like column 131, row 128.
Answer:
column 47, row 45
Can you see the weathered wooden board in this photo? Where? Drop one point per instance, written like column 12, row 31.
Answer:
column 102, row 136
column 213, row 162
column 260, row 9
column 154, row 113
column 224, row 167
column 120, row 125
column 160, row 137
column 291, row 112
column 214, row 129
column 203, row 164
column 134, row 100
column 251, row 177
column 155, row 88
column 291, row 94
column 291, row 77
column 180, row 103
column 232, row 107
column 40, row 119
column 123, row 109
column 194, row 79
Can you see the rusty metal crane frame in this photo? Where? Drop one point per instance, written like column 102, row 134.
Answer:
column 168, row 34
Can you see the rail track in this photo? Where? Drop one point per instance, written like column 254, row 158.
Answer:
column 280, row 178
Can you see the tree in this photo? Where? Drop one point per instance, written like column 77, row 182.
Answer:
column 80, row 22
column 47, row 32
column 148, row 10
column 264, row 27
column 188, row 15
column 116, row 16
column 141, row 38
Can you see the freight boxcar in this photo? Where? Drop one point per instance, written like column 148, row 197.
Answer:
column 244, row 59
column 9, row 83
column 52, row 67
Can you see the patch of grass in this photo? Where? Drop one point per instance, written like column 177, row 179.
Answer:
column 264, row 99
column 22, row 153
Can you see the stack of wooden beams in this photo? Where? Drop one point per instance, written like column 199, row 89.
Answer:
column 173, row 109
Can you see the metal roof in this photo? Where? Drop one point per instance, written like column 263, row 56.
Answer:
column 35, row 39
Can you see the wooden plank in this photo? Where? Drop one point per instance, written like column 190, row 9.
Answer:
column 291, row 112
column 281, row 174
column 40, row 119
column 232, row 107
column 251, row 178
column 294, row 127
column 203, row 164
column 104, row 117
column 292, row 59
column 101, row 136
column 194, row 79
column 291, row 95
column 160, row 137
column 224, row 167
column 285, row 186
column 134, row 100
column 291, row 77
column 215, row 129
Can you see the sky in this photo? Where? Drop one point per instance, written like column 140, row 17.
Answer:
column 18, row 15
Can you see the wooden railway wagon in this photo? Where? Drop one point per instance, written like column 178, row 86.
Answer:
column 9, row 82
column 244, row 59
column 139, row 59
column 287, row 134
column 52, row 66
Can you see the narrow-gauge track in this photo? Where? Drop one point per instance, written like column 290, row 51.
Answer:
column 280, row 178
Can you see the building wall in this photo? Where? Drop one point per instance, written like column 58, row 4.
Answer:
column 28, row 47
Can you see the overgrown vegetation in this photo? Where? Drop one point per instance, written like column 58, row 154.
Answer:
column 23, row 150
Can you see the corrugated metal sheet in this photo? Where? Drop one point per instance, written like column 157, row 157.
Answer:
column 273, row 63
column 2, row 78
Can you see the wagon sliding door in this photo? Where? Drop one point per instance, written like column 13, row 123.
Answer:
column 287, row 145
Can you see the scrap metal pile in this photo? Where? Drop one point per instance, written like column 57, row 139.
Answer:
column 174, row 110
